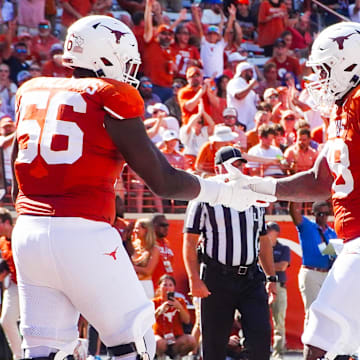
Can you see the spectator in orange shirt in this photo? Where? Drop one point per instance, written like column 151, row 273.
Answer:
column 158, row 56
column 272, row 20
column 54, row 66
column 282, row 104
column 170, row 314
column 261, row 117
column 205, row 160
column 165, row 264
column 301, row 156
column 74, row 10
column 288, row 121
column 190, row 95
column 41, row 43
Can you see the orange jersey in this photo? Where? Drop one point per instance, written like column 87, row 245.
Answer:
column 67, row 163
column 183, row 57
column 165, row 264
column 7, row 255
column 184, row 95
column 157, row 63
column 344, row 161
column 169, row 322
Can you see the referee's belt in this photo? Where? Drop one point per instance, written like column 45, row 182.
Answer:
column 241, row 270
column 315, row 268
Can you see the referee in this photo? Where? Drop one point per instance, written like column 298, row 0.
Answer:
column 231, row 242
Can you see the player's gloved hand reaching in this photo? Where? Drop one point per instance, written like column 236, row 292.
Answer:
column 233, row 193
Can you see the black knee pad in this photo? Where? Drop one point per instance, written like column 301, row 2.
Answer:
column 126, row 349
column 120, row 350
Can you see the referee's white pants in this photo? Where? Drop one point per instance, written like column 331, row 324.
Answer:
column 10, row 314
column 71, row 265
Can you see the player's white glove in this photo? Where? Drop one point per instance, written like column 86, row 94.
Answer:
column 234, row 193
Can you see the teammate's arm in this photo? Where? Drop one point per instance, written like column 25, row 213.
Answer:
column 148, row 162
column 312, row 185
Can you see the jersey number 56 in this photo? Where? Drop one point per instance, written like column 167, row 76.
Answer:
column 39, row 140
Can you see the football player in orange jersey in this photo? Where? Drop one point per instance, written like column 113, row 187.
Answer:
column 334, row 322
column 71, row 140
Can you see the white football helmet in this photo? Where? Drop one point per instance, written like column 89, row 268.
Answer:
column 335, row 60
column 104, row 45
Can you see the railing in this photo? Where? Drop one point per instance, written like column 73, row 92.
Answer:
column 331, row 11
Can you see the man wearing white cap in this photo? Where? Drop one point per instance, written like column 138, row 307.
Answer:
column 229, row 116
column 159, row 122
column 205, row 160
column 213, row 44
column 241, row 96
column 171, row 141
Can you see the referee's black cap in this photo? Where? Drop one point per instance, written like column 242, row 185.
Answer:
column 226, row 153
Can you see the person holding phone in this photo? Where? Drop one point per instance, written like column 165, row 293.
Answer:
column 170, row 314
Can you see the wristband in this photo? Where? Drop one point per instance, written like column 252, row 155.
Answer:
column 212, row 191
column 266, row 186
column 272, row 278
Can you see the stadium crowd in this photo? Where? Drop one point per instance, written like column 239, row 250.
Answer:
column 213, row 73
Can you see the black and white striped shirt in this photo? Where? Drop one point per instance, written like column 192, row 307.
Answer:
column 227, row 236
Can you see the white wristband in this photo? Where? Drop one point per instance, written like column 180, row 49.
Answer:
column 212, row 191
column 266, row 186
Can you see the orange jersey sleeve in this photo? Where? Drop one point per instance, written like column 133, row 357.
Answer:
column 344, row 162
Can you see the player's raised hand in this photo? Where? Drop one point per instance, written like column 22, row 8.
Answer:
column 232, row 10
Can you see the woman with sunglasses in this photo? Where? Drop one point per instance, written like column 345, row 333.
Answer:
column 146, row 255
column 7, row 90
column 186, row 55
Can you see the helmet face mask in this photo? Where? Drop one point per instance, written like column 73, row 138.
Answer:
column 105, row 46
column 334, row 59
